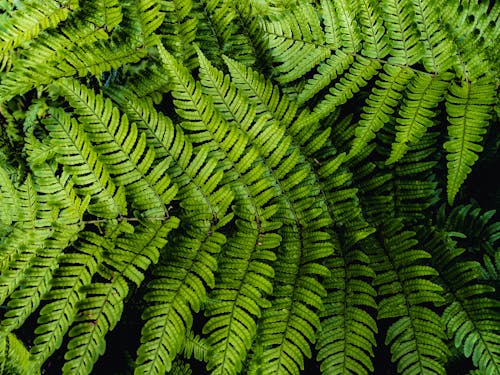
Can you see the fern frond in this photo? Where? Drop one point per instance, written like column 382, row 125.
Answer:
column 14, row 356
column 470, row 37
column 233, row 107
column 358, row 75
column 114, row 138
column 30, row 276
column 350, row 36
column 25, row 277
column 469, row 106
column 345, row 343
column 414, row 179
column 245, row 41
column 376, row 42
column 145, row 17
column 80, row 160
column 380, row 105
column 328, row 70
column 232, row 314
column 9, row 210
column 32, row 18
column 97, row 314
column 18, row 249
column 261, row 92
column 423, row 95
column 57, row 196
column 179, row 286
column 399, row 20
column 296, row 42
column 94, row 59
column 470, row 316
column 61, row 308
column 243, row 283
column 439, row 51
column 289, row 326
column 133, row 253
column 179, row 31
column 43, row 58
column 330, row 24
column 253, row 190
column 404, row 285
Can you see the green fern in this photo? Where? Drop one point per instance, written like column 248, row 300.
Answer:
column 269, row 186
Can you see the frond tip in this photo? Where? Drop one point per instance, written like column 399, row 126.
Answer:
column 469, row 106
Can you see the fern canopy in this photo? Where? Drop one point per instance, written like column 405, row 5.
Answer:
column 249, row 187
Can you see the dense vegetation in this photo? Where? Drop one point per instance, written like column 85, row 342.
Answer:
column 224, row 187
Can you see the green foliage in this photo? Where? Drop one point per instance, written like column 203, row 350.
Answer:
column 249, row 187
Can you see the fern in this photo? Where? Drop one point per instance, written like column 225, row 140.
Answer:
column 233, row 187
column 466, row 129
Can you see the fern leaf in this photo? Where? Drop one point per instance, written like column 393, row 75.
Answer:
column 20, row 245
column 43, row 58
column 94, row 59
column 56, row 194
column 416, row 337
column 145, row 19
column 331, row 29
column 262, row 93
column 296, row 42
column 232, row 315
column 28, row 21
column 379, row 106
column 360, row 72
column 238, row 298
column 350, row 35
column 97, row 314
column 179, row 30
column 10, row 198
column 247, row 15
column 471, row 314
column 107, row 14
column 133, row 253
column 195, row 174
column 328, row 70
column 439, row 54
column 224, row 93
column 80, row 160
column 422, row 97
column 252, row 192
column 289, row 326
column 212, row 28
column 179, row 286
column 469, row 107
column 14, row 357
column 61, row 308
column 345, row 343
column 376, row 42
column 399, row 17
column 114, row 138
column 33, row 279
